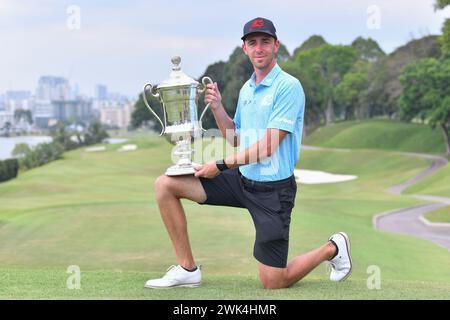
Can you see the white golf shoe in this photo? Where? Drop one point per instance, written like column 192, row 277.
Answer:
column 176, row 276
column 341, row 264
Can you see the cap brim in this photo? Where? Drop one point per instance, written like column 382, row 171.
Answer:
column 259, row 31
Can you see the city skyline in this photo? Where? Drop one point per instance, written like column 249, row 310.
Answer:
column 73, row 92
column 124, row 46
column 56, row 100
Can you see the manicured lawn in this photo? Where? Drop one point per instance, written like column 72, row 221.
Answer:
column 379, row 134
column 51, row 284
column 98, row 211
column 441, row 215
column 437, row 184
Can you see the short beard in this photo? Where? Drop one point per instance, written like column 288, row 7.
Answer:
column 262, row 66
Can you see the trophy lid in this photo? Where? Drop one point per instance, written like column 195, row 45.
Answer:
column 177, row 77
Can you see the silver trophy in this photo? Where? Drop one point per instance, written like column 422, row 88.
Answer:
column 179, row 95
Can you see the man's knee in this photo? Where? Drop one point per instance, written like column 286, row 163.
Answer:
column 273, row 280
column 163, row 186
column 273, row 283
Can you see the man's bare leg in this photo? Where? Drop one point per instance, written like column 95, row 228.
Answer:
column 297, row 268
column 169, row 191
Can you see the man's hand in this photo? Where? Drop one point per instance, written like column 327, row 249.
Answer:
column 208, row 170
column 213, row 96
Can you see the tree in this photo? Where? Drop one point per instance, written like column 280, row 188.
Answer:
column 21, row 149
column 142, row 116
column 426, row 86
column 283, row 53
column 445, row 38
column 426, row 94
column 7, row 128
column 236, row 72
column 324, row 67
column 95, row 133
column 312, row 42
column 215, row 71
column 353, row 94
column 312, row 85
column 23, row 114
column 350, row 91
column 41, row 154
column 368, row 50
column 62, row 136
column 441, row 4
column 384, row 76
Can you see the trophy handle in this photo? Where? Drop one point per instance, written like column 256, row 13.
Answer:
column 204, row 82
column 156, row 95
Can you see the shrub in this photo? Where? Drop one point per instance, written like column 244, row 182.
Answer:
column 41, row 154
column 8, row 169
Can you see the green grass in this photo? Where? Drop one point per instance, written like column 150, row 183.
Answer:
column 98, row 211
column 379, row 134
column 437, row 184
column 440, row 215
column 48, row 284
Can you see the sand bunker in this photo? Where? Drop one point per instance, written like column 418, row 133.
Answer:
column 316, row 177
column 95, row 149
column 128, row 147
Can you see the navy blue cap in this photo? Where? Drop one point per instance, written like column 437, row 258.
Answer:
column 261, row 25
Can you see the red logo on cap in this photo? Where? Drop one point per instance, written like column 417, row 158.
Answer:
column 258, row 23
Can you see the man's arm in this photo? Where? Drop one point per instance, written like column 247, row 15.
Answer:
column 260, row 150
column 286, row 115
column 263, row 148
column 224, row 122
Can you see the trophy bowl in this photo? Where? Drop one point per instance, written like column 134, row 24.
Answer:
column 179, row 96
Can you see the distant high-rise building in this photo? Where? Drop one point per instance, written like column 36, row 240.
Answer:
column 46, row 112
column 43, row 112
column 17, row 100
column 5, row 117
column 75, row 92
column 2, row 102
column 53, row 88
column 116, row 114
column 73, row 110
column 101, row 92
column 17, row 95
column 117, row 97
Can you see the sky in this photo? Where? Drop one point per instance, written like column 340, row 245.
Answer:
column 125, row 44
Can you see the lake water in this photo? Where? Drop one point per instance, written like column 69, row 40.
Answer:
column 115, row 140
column 7, row 144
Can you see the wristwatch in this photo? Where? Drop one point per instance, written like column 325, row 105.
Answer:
column 220, row 164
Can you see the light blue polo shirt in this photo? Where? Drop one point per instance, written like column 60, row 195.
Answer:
column 277, row 102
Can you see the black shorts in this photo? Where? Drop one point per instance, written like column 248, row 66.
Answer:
column 270, row 205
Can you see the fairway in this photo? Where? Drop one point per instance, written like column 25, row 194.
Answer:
column 98, row 211
column 379, row 134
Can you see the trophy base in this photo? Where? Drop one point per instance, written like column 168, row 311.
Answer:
column 180, row 170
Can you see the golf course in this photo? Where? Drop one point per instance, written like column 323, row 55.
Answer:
column 97, row 211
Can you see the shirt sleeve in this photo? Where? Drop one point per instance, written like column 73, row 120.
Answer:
column 288, row 107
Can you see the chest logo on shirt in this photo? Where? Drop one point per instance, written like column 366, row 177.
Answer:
column 267, row 100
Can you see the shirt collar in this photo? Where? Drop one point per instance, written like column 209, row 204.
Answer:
column 268, row 79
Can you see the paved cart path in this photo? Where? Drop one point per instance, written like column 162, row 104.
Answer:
column 411, row 220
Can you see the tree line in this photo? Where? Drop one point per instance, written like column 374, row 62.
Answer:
column 348, row 82
column 64, row 139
